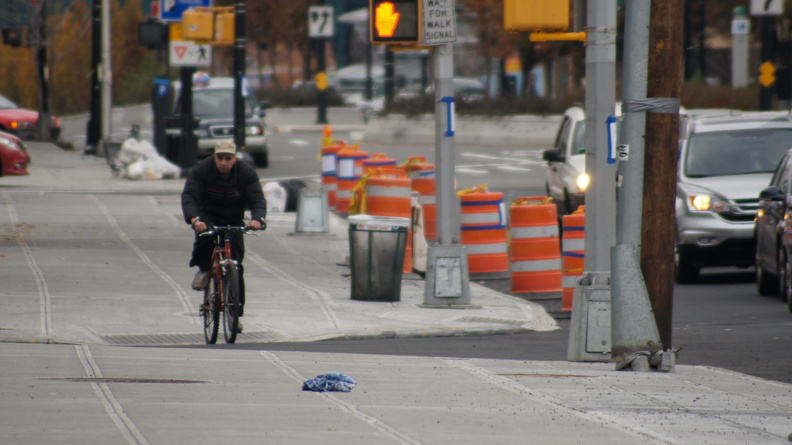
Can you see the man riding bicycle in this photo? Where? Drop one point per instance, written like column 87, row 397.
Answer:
column 217, row 192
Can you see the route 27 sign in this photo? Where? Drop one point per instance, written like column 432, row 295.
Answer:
column 320, row 22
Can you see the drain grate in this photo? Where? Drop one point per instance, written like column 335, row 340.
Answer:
column 492, row 320
column 183, row 339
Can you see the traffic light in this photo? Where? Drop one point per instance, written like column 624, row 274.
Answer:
column 153, row 33
column 12, row 36
column 395, row 21
column 535, row 15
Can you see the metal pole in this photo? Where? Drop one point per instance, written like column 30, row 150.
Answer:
column 447, row 282
column 390, row 76
column 106, row 77
column 321, row 93
column 43, row 73
column 94, row 123
column 633, row 326
column 768, row 54
column 240, row 43
column 740, row 30
column 601, row 194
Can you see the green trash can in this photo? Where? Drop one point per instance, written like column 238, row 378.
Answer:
column 376, row 247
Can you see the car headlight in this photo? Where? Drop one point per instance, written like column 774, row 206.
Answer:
column 704, row 202
column 11, row 145
column 202, row 133
column 254, row 130
column 583, row 181
column 16, row 125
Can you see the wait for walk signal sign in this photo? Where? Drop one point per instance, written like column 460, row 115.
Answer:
column 395, row 21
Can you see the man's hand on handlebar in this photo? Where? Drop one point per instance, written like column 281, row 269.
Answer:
column 198, row 225
column 255, row 224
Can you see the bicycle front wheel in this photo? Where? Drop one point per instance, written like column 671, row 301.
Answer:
column 210, row 311
column 231, row 304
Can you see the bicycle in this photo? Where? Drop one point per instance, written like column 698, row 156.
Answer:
column 222, row 293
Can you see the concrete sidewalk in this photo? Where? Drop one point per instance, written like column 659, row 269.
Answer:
column 94, row 264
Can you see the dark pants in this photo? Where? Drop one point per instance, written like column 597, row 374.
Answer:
column 202, row 257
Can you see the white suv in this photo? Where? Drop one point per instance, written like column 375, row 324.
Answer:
column 566, row 178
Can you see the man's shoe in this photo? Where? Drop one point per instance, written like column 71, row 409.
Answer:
column 201, row 280
column 239, row 327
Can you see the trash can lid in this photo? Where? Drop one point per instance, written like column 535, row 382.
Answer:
column 370, row 222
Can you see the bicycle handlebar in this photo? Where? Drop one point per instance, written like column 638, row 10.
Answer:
column 244, row 229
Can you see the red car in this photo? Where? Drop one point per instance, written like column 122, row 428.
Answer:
column 14, row 159
column 22, row 122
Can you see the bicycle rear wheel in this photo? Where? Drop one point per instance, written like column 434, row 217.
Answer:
column 210, row 312
column 231, row 304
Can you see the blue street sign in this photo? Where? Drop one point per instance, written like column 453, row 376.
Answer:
column 172, row 10
column 449, row 101
column 612, row 139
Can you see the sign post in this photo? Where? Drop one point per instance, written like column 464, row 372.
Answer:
column 321, row 26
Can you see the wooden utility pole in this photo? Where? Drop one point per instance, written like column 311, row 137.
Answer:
column 658, row 235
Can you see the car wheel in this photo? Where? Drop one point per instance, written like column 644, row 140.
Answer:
column 685, row 271
column 782, row 276
column 765, row 285
column 261, row 159
column 786, row 294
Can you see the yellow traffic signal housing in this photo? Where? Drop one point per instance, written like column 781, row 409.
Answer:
column 395, row 21
column 198, row 25
column 535, row 15
column 224, row 28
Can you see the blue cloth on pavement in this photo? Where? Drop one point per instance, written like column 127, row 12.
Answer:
column 333, row 381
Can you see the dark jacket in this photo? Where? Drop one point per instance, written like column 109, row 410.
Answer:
column 220, row 201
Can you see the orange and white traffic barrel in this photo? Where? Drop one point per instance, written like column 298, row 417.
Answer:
column 573, row 253
column 349, row 170
column 388, row 193
column 535, row 252
column 483, row 227
column 423, row 182
column 377, row 161
column 329, row 165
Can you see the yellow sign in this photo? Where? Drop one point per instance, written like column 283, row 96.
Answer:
column 176, row 31
column 321, row 81
column 767, row 76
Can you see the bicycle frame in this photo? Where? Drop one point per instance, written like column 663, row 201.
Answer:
column 225, row 281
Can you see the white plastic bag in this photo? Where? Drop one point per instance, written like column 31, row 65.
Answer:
column 276, row 197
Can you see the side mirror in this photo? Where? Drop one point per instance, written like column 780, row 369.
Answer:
column 772, row 194
column 553, row 156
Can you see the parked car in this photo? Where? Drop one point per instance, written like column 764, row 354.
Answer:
column 774, row 234
column 724, row 162
column 24, row 123
column 213, row 105
column 14, row 158
column 565, row 178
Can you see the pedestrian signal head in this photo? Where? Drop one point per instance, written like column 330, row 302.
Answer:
column 395, row 21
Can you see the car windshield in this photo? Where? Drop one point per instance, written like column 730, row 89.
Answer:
column 579, row 139
column 217, row 102
column 736, row 152
column 5, row 103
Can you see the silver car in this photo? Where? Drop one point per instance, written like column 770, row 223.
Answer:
column 724, row 162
